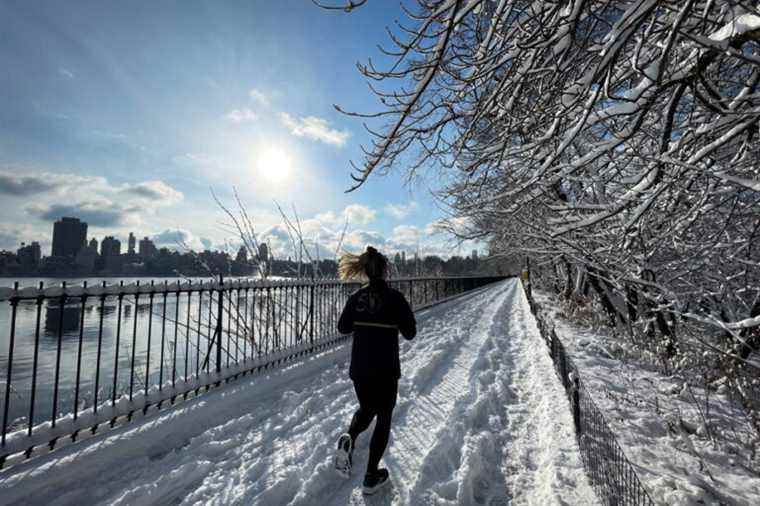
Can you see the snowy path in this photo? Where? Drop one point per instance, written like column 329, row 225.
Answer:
column 481, row 419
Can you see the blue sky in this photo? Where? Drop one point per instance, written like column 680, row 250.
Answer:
column 126, row 113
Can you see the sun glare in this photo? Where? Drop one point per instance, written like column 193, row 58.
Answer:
column 273, row 165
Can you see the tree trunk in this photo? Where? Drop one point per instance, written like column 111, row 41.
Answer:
column 568, row 280
column 632, row 303
column 580, row 282
column 667, row 329
column 607, row 304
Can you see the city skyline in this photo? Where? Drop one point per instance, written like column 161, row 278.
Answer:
column 74, row 254
column 151, row 243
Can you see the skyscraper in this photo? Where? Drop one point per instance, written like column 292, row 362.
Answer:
column 110, row 253
column 87, row 257
column 110, row 246
column 147, row 248
column 131, row 244
column 29, row 256
column 69, row 236
column 263, row 252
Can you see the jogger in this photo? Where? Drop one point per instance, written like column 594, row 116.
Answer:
column 375, row 314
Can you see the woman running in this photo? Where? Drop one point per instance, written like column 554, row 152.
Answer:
column 375, row 314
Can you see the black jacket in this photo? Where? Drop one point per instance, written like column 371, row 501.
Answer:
column 375, row 314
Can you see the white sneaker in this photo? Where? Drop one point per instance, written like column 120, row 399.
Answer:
column 343, row 455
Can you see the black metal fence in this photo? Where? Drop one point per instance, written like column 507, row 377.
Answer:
column 609, row 470
column 79, row 358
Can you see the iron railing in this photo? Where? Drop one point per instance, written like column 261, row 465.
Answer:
column 609, row 470
column 79, row 358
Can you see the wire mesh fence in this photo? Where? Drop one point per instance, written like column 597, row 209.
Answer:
column 611, row 474
column 74, row 359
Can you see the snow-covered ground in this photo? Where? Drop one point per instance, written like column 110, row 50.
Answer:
column 659, row 421
column 481, row 419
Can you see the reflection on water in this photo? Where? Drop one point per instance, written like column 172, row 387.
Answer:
column 61, row 320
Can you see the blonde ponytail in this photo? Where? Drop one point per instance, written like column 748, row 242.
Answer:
column 350, row 267
column 370, row 264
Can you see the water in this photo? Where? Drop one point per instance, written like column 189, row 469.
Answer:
column 128, row 354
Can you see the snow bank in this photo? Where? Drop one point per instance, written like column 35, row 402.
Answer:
column 658, row 424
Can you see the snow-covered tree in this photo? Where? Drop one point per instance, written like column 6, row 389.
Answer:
column 615, row 142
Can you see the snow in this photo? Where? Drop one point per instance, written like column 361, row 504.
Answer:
column 742, row 24
column 19, row 441
column 657, row 423
column 480, row 419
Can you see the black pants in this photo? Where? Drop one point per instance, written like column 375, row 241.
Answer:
column 376, row 398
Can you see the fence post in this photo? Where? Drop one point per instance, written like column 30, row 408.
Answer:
column 14, row 306
column 576, row 403
column 552, row 343
column 311, row 313
column 562, row 364
column 526, row 279
column 219, row 315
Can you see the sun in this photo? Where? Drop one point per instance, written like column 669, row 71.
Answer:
column 273, row 165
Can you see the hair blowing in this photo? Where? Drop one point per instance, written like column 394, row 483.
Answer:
column 371, row 264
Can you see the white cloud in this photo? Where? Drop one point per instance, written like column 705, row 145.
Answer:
column 322, row 237
column 401, row 211
column 244, row 115
column 356, row 214
column 359, row 214
column 179, row 239
column 433, row 228
column 66, row 73
column 94, row 199
column 323, row 234
column 14, row 184
column 357, row 240
column 259, row 97
column 314, row 128
column 157, row 191
column 42, row 185
column 96, row 212
column 406, row 235
column 328, row 217
column 12, row 235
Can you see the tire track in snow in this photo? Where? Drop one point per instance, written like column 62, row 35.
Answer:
column 462, row 465
column 429, row 414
